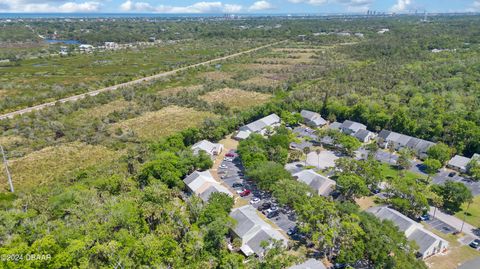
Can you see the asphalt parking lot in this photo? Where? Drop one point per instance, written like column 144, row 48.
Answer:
column 441, row 226
column 232, row 172
column 441, row 177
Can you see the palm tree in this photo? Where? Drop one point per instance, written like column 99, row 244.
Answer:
column 318, row 151
column 306, row 150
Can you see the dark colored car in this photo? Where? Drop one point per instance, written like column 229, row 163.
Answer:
column 452, row 174
column 245, row 193
column 264, row 206
column 237, row 185
column 292, row 230
column 272, row 214
column 475, row 243
column 424, row 217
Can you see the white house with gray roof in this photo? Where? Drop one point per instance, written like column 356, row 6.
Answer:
column 459, row 163
column 399, row 141
column 313, row 119
column 253, row 230
column 364, row 136
column 309, row 264
column 429, row 243
column 259, row 126
column 203, row 184
column 351, row 127
column 320, row 184
column 212, row 149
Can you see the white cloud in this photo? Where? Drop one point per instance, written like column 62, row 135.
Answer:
column 475, row 6
column 199, row 7
column 401, row 5
column 46, row 6
column 260, row 5
column 311, row 2
column 351, row 5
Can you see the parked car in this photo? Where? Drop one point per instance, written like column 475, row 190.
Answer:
column 245, row 193
column 475, row 243
column 237, row 185
column 292, row 230
column 452, row 174
column 228, row 159
column 223, row 166
column 272, row 214
column 231, row 154
column 264, row 206
column 272, row 209
column 255, row 200
column 424, row 217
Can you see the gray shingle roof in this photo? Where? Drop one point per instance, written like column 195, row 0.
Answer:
column 403, row 140
column 253, row 230
column 459, row 161
column 353, row 126
column 313, row 117
column 401, row 221
column 262, row 123
column 335, row 125
column 423, row 239
column 302, row 145
column 362, row 134
column 309, row 264
column 320, row 184
column 384, row 134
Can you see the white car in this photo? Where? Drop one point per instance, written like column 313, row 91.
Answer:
column 228, row 159
column 223, row 166
column 254, row 200
column 240, row 190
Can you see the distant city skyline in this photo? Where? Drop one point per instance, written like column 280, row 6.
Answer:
column 238, row 7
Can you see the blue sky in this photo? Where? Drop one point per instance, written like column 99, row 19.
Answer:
column 238, row 6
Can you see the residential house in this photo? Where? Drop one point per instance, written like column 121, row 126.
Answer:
column 313, row 119
column 320, row 184
column 203, row 184
column 399, row 141
column 309, row 264
column 212, row 149
column 459, row 163
column 259, row 126
column 429, row 243
column 301, row 146
column 252, row 230
column 351, row 127
column 335, row 126
column 364, row 136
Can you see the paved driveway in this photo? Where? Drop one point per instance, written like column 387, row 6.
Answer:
column 325, row 159
column 441, row 177
column 440, row 226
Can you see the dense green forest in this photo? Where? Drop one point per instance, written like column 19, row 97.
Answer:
column 133, row 212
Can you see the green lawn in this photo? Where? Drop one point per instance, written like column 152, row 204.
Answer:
column 473, row 213
column 393, row 172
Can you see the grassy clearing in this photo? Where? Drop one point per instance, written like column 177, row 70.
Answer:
column 389, row 171
column 265, row 67
column 236, row 98
column 473, row 213
column 457, row 253
column 52, row 163
column 176, row 90
column 216, row 75
column 101, row 110
column 261, row 81
column 164, row 122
